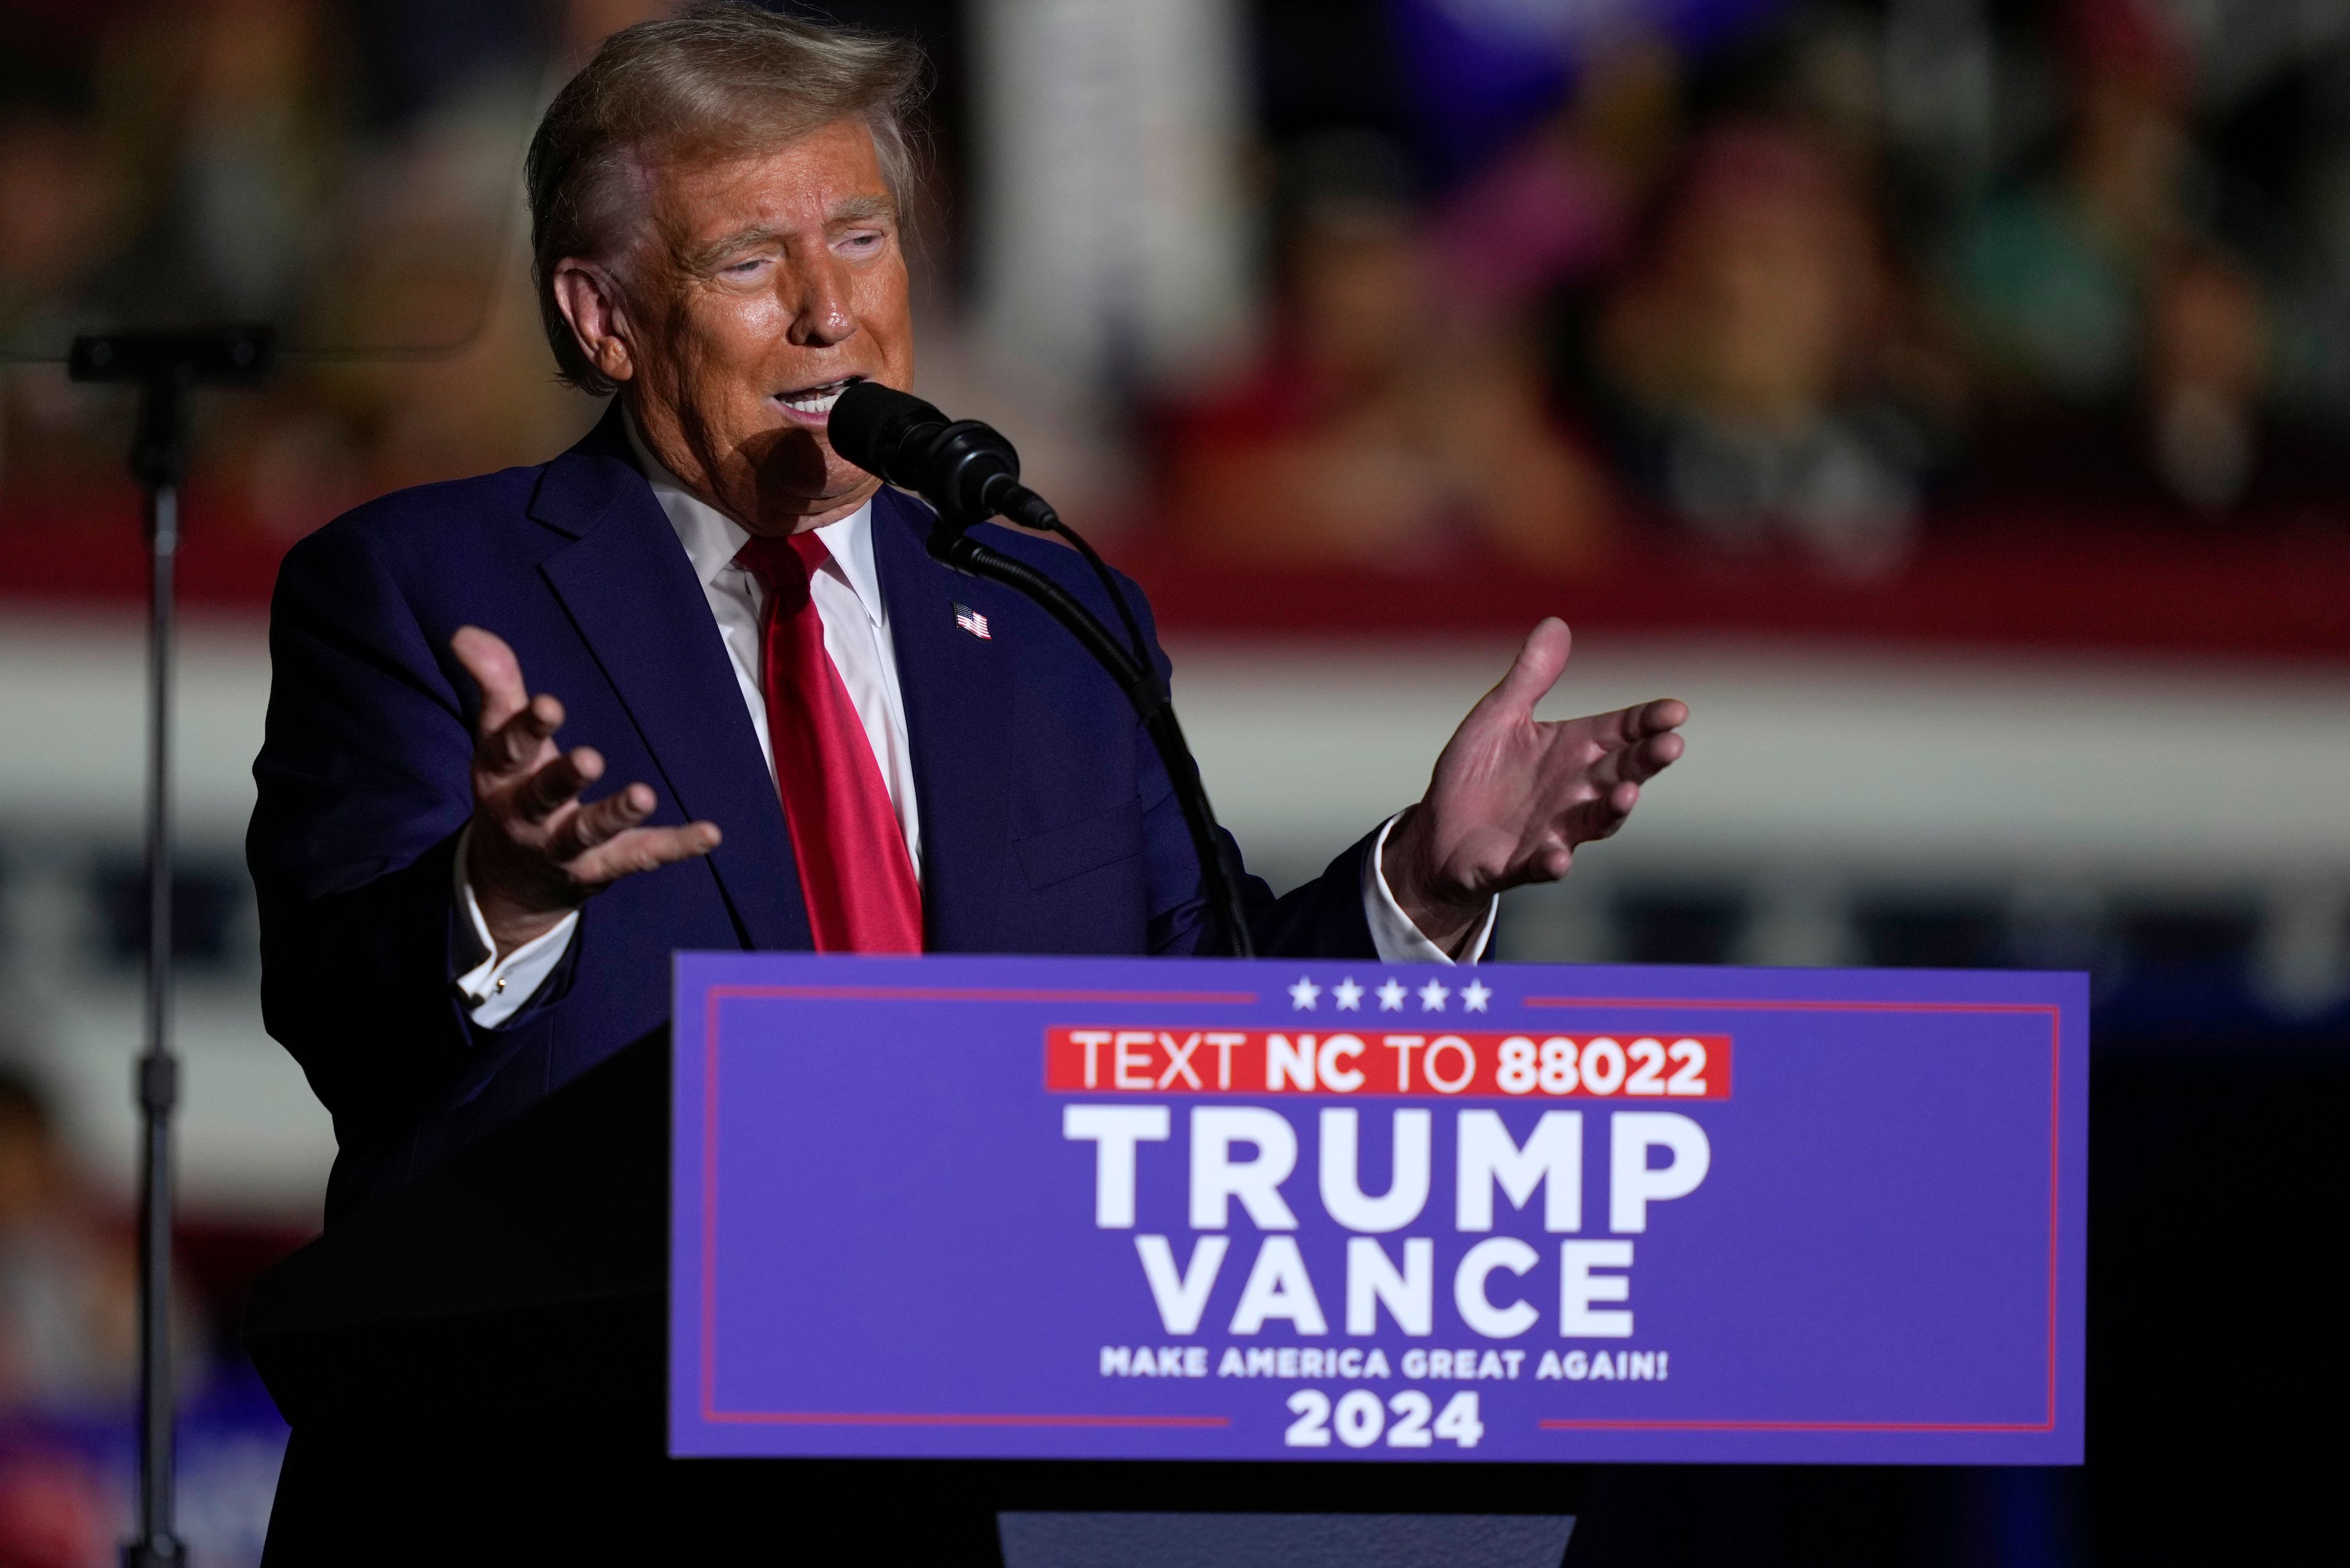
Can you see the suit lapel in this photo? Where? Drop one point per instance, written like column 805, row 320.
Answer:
column 958, row 691
column 631, row 592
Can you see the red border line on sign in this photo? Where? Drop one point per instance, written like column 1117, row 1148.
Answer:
column 889, row 1419
column 709, row 1412
column 969, row 993
column 1553, row 1425
column 717, row 993
column 2055, row 1077
column 1784, row 1006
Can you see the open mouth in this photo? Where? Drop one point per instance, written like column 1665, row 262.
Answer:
column 817, row 401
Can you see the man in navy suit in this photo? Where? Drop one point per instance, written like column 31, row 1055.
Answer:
column 830, row 740
column 451, row 930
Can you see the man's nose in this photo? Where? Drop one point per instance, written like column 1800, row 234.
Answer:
column 821, row 314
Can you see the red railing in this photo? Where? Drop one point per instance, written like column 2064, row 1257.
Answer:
column 2060, row 581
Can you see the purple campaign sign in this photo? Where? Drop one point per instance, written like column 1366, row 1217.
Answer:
column 1211, row 1209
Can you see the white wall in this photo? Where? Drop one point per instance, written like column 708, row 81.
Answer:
column 1909, row 765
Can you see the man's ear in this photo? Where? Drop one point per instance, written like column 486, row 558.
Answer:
column 590, row 301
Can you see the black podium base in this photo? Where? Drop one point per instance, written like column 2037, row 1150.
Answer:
column 1282, row 1539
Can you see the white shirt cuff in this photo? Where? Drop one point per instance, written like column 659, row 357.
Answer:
column 1392, row 931
column 495, row 991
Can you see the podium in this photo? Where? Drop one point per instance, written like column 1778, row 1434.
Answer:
column 882, row 1250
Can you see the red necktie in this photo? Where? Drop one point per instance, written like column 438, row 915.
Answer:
column 855, row 874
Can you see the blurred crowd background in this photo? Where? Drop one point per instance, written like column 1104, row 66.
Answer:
column 1539, row 287
column 1951, row 397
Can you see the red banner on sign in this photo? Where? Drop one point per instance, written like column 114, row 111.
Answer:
column 1258, row 1061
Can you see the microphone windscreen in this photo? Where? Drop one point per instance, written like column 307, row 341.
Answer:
column 869, row 424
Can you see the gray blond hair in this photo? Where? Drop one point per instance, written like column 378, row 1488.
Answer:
column 713, row 81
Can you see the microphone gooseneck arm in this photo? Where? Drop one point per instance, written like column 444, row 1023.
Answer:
column 968, row 473
column 965, row 470
column 1040, row 516
column 956, row 548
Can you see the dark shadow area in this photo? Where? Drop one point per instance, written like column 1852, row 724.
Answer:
column 2215, row 1360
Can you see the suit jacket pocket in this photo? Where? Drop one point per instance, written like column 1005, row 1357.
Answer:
column 1086, row 845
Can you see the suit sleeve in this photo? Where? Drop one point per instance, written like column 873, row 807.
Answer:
column 364, row 788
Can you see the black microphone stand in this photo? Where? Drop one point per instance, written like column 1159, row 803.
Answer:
column 968, row 473
column 951, row 544
column 165, row 366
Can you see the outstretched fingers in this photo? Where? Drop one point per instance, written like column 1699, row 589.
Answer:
column 643, row 849
column 1651, row 756
column 1613, row 786
column 1640, row 741
column 1642, row 720
column 1605, row 815
column 551, row 850
column 1665, row 713
column 1617, row 764
column 515, row 727
column 558, row 784
column 598, row 822
column 514, row 744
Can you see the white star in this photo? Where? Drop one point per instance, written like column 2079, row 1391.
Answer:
column 1432, row 995
column 1473, row 996
column 1349, row 995
column 1392, row 997
column 1303, row 993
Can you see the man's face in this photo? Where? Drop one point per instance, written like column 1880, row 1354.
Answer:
column 761, row 288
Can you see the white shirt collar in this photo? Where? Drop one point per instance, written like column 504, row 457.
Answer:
column 711, row 539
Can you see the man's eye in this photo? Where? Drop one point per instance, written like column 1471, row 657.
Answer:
column 869, row 241
column 744, row 268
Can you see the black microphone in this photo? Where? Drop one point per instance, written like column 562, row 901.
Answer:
column 968, row 473
column 965, row 469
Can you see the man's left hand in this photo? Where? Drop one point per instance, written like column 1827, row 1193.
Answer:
column 1513, row 797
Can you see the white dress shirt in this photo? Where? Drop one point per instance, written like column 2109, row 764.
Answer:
column 848, row 597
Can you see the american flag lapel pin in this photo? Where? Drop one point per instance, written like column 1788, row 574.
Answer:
column 971, row 621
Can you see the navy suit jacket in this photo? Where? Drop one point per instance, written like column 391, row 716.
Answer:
column 1048, row 825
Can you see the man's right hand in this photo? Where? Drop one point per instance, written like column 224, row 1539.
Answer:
column 537, row 853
